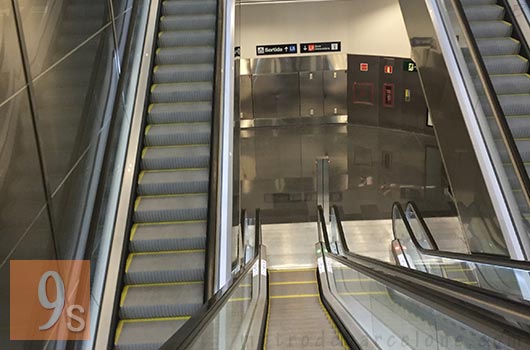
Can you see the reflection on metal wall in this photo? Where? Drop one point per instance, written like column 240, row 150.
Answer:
column 292, row 87
column 60, row 63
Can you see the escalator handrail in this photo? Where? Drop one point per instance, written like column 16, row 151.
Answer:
column 324, row 230
column 493, row 100
column 434, row 294
column 477, row 296
column 342, row 236
column 479, row 258
column 187, row 334
column 213, row 220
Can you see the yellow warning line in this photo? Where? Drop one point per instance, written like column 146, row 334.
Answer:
column 169, row 222
column 184, row 251
column 146, row 285
column 292, row 270
column 122, row 322
column 293, row 296
column 333, row 325
column 290, row 283
column 172, row 170
column 239, row 299
column 173, row 195
column 178, row 146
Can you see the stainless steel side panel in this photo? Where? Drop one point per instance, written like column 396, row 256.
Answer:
column 335, row 90
column 311, row 94
column 467, row 183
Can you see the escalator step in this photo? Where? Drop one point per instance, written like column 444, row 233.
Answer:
column 173, row 181
column 182, row 73
column 186, row 38
column 171, row 207
column 179, row 112
column 146, row 334
column 165, row 267
column 168, row 236
column 498, row 46
column 478, row 2
column 181, row 92
column 176, row 157
column 187, row 22
column 491, row 29
column 508, row 84
column 185, row 55
column 161, row 300
column 484, row 12
column 512, row 64
column 180, row 7
column 519, row 126
column 515, row 104
column 177, row 134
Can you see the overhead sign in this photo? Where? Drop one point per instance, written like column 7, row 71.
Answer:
column 331, row 46
column 409, row 66
column 279, row 49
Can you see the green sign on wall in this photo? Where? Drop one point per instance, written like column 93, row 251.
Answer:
column 409, row 66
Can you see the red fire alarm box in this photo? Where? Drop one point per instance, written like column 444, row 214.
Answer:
column 388, row 95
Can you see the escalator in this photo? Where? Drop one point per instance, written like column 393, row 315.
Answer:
column 415, row 247
column 351, row 302
column 163, row 278
column 473, row 61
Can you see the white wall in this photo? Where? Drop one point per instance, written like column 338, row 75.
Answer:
column 370, row 27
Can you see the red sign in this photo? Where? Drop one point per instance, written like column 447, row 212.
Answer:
column 389, row 69
column 311, row 47
column 363, row 67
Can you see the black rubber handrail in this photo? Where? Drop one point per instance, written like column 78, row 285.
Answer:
column 498, row 114
column 487, row 259
column 322, row 226
column 188, row 333
column 213, row 223
column 476, row 307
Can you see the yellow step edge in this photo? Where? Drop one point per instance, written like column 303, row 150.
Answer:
column 292, row 270
column 333, row 325
column 171, row 195
column 293, row 296
column 177, row 146
column 171, row 170
column 147, row 128
column 137, row 203
column 291, row 283
column 125, row 290
column 141, row 176
column 169, row 222
column 239, row 299
column 176, row 124
column 138, row 320
column 133, row 232
column 165, row 252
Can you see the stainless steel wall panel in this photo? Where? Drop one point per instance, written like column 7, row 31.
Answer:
column 21, row 184
column 70, row 101
column 276, row 96
column 335, row 90
column 54, row 28
column 11, row 69
column 311, row 94
column 246, row 108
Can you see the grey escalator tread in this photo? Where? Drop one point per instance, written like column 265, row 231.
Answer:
column 173, row 157
column 163, row 208
column 181, row 92
column 173, row 181
column 195, row 37
column 164, row 273
column 165, row 267
column 509, row 84
column 491, row 29
column 506, row 64
column 517, row 104
column 498, row 46
column 484, row 12
column 518, row 124
column 182, row 72
column 177, row 133
column 179, row 22
column 146, row 334
column 152, row 237
column 179, row 112
column 161, row 300
column 185, row 55
column 179, row 7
